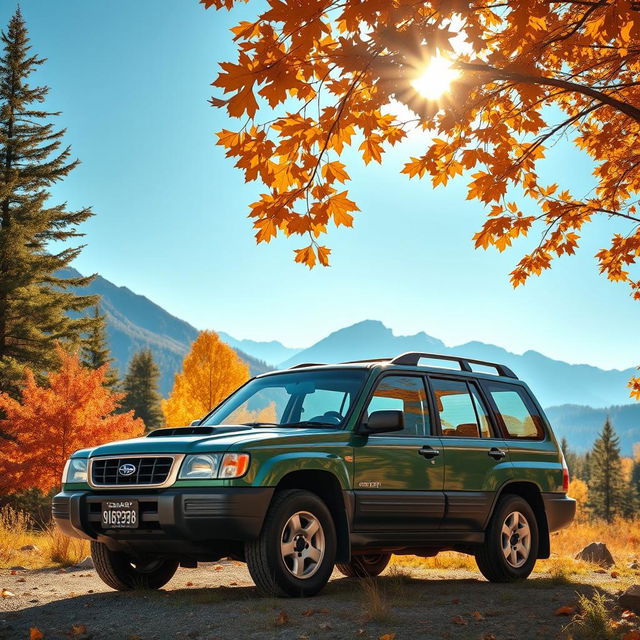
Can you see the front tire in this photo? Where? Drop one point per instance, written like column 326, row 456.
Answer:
column 510, row 549
column 367, row 565
column 122, row 573
column 295, row 552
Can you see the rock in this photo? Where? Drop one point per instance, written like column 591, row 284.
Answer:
column 634, row 565
column 18, row 567
column 29, row 547
column 87, row 563
column 630, row 599
column 598, row 553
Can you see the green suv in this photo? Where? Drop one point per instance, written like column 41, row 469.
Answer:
column 319, row 466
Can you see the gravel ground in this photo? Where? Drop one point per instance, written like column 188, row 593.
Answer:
column 219, row 601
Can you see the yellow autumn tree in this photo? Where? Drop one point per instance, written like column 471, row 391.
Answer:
column 210, row 372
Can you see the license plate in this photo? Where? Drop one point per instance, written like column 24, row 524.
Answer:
column 120, row 514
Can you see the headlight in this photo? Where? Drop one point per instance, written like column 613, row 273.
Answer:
column 200, row 466
column 214, row 465
column 75, row 470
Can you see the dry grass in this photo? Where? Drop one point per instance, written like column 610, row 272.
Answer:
column 376, row 602
column 53, row 549
column 622, row 537
column 594, row 621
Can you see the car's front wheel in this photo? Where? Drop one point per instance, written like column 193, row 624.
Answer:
column 295, row 552
column 123, row 573
column 510, row 549
column 366, row 565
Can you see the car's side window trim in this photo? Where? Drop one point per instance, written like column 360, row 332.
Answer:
column 531, row 407
column 428, row 405
column 495, row 427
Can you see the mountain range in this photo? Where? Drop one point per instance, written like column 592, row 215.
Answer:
column 578, row 398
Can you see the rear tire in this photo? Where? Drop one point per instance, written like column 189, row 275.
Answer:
column 510, row 549
column 122, row 573
column 295, row 552
column 367, row 565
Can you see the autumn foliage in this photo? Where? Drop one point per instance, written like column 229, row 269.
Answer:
column 50, row 422
column 210, row 372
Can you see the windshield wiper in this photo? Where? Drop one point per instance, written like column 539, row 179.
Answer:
column 303, row 423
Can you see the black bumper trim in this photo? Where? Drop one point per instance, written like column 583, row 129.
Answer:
column 196, row 515
column 560, row 510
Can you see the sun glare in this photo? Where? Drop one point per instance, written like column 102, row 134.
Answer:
column 436, row 78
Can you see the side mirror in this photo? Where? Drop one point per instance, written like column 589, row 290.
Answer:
column 195, row 423
column 383, row 422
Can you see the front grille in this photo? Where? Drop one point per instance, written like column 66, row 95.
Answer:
column 148, row 471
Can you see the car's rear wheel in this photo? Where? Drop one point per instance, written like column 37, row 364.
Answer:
column 295, row 552
column 123, row 573
column 366, row 565
column 510, row 549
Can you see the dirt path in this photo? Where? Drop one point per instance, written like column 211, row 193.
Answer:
column 219, row 601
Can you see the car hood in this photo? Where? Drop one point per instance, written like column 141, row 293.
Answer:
column 217, row 441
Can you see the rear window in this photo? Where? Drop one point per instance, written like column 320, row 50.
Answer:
column 521, row 420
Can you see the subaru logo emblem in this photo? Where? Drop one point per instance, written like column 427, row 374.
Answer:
column 127, row 469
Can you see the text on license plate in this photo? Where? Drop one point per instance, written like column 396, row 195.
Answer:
column 120, row 514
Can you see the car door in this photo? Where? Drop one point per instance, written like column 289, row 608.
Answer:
column 476, row 457
column 399, row 476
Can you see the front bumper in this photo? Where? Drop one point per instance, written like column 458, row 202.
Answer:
column 560, row 510
column 193, row 515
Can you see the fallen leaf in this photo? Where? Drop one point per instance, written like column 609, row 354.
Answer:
column 35, row 634
column 325, row 626
column 21, row 580
column 281, row 619
column 308, row 612
column 627, row 613
column 78, row 629
column 13, row 572
column 303, row 636
column 188, row 584
column 218, row 568
column 7, row 594
column 565, row 611
column 387, row 636
column 459, row 620
column 489, row 636
column 233, row 584
column 478, row 616
column 614, row 574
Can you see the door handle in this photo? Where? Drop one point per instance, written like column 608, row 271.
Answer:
column 496, row 454
column 429, row 452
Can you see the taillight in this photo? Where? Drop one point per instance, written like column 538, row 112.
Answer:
column 565, row 475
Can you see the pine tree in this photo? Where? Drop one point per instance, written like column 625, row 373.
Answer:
column 95, row 350
column 606, row 484
column 34, row 301
column 141, row 390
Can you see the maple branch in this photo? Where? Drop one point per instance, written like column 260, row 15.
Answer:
column 505, row 74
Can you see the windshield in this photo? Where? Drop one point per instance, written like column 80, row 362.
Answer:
column 296, row 398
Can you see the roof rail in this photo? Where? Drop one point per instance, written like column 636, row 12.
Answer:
column 411, row 358
column 307, row 364
column 367, row 360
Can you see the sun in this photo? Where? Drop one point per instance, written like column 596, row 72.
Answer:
column 436, row 78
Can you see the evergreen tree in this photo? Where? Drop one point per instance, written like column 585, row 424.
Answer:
column 95, row 350
column 141, row 390
column 629, row 500
column 635, row 476
column 606, row 484
column 34, row 301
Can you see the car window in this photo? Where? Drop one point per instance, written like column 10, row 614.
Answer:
column 519, row 421
column 406, row 394
column 462, row 412
column 317, row 403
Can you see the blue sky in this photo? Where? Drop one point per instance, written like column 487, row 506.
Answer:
column 132, row 80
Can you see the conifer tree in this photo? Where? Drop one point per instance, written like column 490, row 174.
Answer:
column 606, row 484
column 34, row 301
column 95, row 350
column 141, row 390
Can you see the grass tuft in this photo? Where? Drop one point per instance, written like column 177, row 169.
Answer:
column 594, row 621
column 376, row 602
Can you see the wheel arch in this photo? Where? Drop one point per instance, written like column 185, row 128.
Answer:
column 327, row 487
column 531, row 492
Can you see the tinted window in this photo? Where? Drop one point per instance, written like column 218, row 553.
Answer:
column 462, row 412
column 513, row 406
column 406, row 394
column 290, row 398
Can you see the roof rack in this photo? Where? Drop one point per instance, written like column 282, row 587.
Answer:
column 366, row 360
column 307, row 364
column 411, row 358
